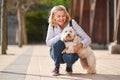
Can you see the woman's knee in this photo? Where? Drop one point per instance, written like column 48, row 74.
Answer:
column 70, row 58
column 56, row 50
column 59, row 43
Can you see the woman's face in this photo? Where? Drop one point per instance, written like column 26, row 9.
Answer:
column 60, row 18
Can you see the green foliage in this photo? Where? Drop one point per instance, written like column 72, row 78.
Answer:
column 37, row 18
column 52, row 3
column 36, row 22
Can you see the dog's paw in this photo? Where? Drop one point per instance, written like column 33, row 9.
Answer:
column 70, row 51
column 64, row 50
column 91, row 71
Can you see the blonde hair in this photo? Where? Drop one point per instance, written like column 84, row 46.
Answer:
column 58, row 8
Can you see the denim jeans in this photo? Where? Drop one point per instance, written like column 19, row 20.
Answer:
column 58, row 57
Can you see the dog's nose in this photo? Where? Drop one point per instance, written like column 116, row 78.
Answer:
column 68, row 34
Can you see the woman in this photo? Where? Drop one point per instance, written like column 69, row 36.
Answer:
column 59, row 19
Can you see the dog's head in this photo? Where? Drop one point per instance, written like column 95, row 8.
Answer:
column 68, row 34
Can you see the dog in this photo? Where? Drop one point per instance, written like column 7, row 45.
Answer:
column 87, row 57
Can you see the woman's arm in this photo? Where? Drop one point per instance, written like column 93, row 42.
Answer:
column 51, row 38
column 85, row 39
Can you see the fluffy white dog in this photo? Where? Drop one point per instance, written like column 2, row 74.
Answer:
column 87, row 58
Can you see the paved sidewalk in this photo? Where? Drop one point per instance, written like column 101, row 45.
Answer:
column 33, row 62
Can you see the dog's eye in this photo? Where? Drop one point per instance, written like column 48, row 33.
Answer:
column 70, row 31
column 65, row 31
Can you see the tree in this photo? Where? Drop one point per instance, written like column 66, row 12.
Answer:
column 22, row 7
column 4, row 27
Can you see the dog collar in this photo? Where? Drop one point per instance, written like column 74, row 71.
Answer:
column 69, row 40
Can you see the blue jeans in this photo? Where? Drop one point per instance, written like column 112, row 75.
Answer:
column 58, row 57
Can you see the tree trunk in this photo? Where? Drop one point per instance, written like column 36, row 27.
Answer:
column 24, row 29
column 19, row 16
column 4, row 27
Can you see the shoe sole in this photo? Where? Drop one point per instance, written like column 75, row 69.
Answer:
column 55, row 74
column 69, row 73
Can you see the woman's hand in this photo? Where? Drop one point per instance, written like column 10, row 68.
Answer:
column 78, row 47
